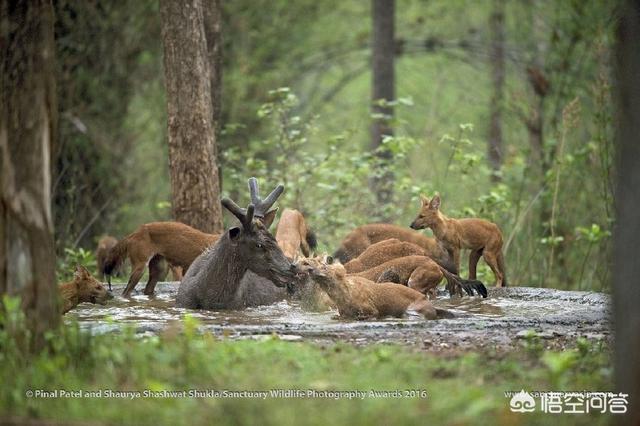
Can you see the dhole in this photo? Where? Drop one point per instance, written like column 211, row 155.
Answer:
column 384, row 251
column 360, row 298
column 484, row 238
column 363, row 236
column 176, row 242
column 421, row 273
column 83, row 288
column 293, row 235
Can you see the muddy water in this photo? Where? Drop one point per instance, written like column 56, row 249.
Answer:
column 501, row 320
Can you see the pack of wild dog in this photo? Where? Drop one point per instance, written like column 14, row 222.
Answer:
column 379, row 269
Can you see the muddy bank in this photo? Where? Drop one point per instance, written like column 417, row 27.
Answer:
column 500, row 321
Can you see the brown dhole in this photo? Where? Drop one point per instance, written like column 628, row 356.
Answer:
column 83, row 288
column 482, row 237
column 363, row 236
column 293, row 235
column 423, row 274
column 360, row 298
column 176, row 242
column 381, row 252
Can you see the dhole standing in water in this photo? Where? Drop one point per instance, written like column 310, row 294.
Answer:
column 293, row 235
column 83, row 288
column 152, row 243
column 105, row 244
column 482, row 237
column 360, row 298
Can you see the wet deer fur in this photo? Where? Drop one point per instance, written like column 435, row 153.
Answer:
column 221, row 277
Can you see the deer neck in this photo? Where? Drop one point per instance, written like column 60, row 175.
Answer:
column 226, row 273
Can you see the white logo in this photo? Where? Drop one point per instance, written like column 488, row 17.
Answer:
column 522, row 402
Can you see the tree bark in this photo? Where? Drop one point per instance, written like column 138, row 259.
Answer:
column 495, row 145
column 27, row 125
column 383, row 89
column 627, row 232
column 195, row 186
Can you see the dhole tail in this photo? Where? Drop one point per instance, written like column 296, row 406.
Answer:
column 115, row 257
column 469, row 286
column 311, row 239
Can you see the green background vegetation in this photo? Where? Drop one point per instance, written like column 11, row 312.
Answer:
column 313, row 136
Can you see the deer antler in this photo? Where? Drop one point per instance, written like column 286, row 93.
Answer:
column 244, row 216
column 262, row 206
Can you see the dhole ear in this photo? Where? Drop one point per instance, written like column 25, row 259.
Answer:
column 234, row 232
column 424, row 200
column 269, row 217
column 435, row 202
column 81, row 272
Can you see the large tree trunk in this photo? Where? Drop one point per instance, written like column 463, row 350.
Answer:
column 195, row 186
column 495, row 144
column 383, row 90
column 27, row 125
column 627, row 234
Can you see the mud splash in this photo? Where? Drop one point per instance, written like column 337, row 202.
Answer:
column 504, row 319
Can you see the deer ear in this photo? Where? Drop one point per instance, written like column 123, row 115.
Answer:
column 234, row 232
column 269, row 217
column 425, row 200
column 435, row 203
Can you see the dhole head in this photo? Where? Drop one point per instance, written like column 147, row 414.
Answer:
column 429, row 213
column 324, row 270
column 89, row 289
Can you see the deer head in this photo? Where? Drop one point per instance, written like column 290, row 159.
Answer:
column 255, row 246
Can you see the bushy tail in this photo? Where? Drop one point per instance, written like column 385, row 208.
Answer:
column 115, row 257
column 312, row 241
column 342, row 255
column 454, row 283
column 502, row 268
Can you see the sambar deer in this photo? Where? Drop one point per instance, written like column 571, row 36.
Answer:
column 217, row 279
column 482, row 237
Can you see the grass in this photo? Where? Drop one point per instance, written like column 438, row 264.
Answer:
column 461, row 388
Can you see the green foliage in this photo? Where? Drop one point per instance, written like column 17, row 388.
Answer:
column 67, row 264
column 460, row 388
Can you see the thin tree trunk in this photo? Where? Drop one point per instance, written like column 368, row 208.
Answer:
column 192, row 155
column 383, row 90
column 495, row 145
column 27, row 125
column 627, row 233
column 213, row 34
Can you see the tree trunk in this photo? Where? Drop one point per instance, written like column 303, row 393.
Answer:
column 627, row 233
column 213, row 34
column 27, row 125
column 195, row 186
column 495, row 146
column 383, row 90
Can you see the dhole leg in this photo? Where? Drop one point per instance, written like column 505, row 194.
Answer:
column 157, row 272
column 135, row 276
column 474, row 257
column 492, row 261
